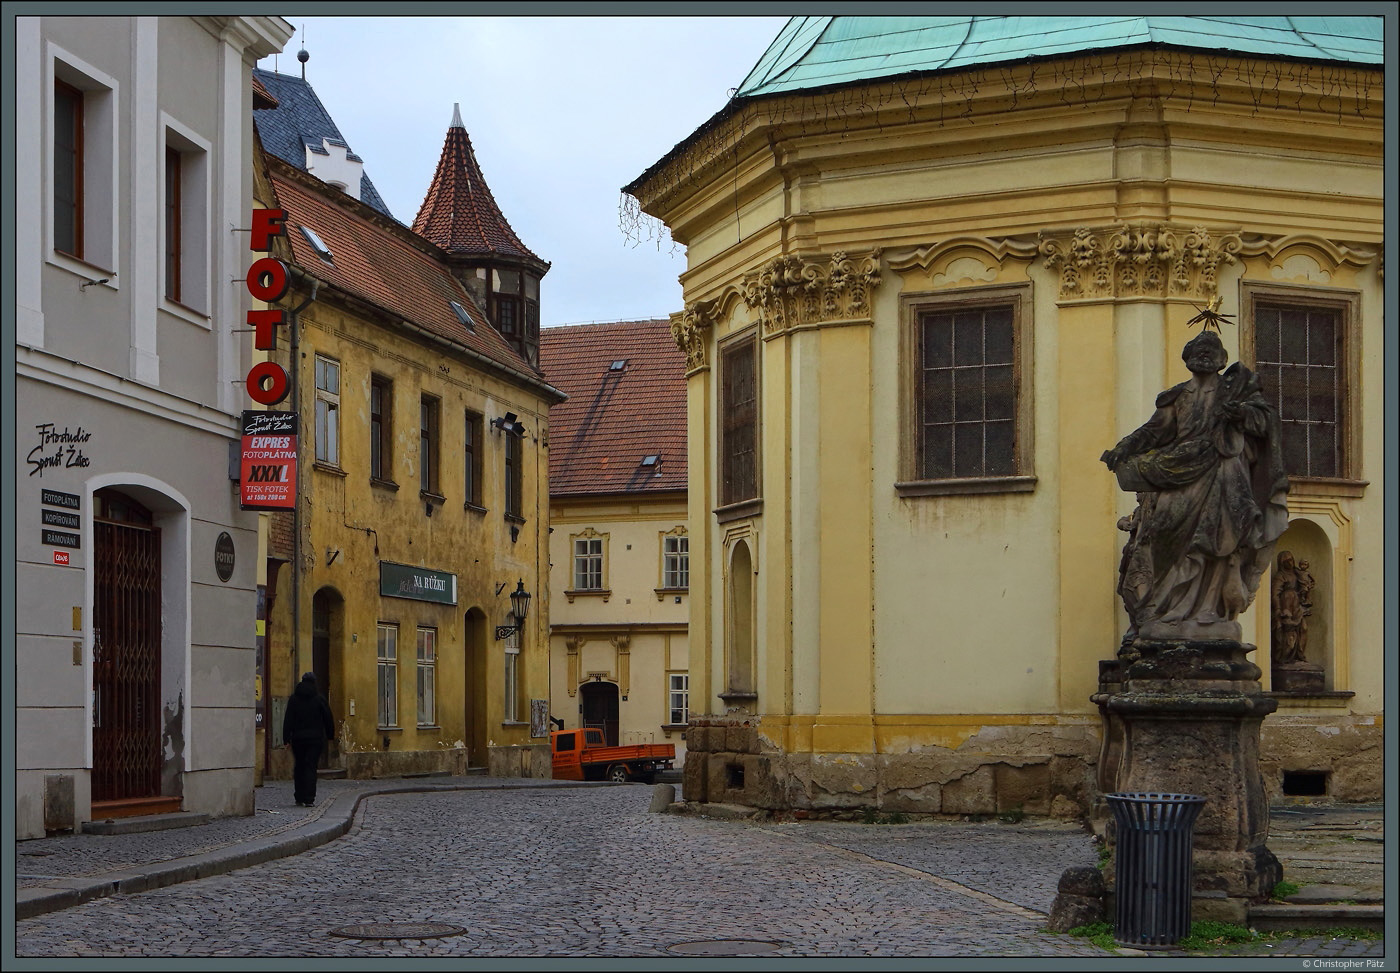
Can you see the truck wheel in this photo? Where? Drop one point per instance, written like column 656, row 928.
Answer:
column 618, row 774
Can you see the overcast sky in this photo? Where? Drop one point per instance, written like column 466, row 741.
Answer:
column 562, row 112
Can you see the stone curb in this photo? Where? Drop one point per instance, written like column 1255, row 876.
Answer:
column 331, row 823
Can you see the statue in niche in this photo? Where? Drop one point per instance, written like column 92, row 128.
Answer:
column 1208, row 471
column 1289, row 625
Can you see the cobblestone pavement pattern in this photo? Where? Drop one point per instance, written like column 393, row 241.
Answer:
column 587, row 872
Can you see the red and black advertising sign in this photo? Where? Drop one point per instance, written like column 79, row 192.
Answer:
column 268, row 471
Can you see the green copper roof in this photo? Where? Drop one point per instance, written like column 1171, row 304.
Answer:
column 812, row 52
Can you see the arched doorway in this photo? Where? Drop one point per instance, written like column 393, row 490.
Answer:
column 126, row 650
column 599, row 703
column 474, row 648
column 327, row 656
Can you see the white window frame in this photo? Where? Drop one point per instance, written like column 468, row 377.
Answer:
column 427, row 675
column 588, row 563
column 195, row 206
column 678, row 685
column 101, row 165
column 327, row 413
column 675, row 550
column 387, row 706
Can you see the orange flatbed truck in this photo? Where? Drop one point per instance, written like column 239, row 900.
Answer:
column 582, row 755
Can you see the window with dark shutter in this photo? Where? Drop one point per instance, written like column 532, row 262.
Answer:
column 739, row 422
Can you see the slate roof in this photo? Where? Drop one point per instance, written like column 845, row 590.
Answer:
column 459, row 213
column 300, row 121
column 814, row 52
column 379, row 262
column 615, row 418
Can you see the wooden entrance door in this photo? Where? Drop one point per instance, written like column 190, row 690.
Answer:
column 126, row 759
column 600, row 708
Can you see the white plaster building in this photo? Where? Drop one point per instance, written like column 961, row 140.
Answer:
column 135, row 567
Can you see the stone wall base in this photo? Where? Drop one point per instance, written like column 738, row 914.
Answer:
column 1042, row 770
column 1037, row 770
column 1349, row 750
column 532, row 760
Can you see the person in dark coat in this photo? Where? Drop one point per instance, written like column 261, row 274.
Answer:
column 306, row 727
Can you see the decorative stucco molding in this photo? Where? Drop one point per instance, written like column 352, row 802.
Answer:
column 961, row 260
column 795, row 290
column 1307, row 257
column 691, row 329
column 571, row 646
column 1140, row 260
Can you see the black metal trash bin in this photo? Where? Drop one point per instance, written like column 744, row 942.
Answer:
column 1152, row 869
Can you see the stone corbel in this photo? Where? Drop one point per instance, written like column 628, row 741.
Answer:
column 794, row 290
column 1139, row 260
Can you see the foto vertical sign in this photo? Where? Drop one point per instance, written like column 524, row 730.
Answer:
column 268, row 469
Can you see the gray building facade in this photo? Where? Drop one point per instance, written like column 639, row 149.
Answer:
column 136, row 585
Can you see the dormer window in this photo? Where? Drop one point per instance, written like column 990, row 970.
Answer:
column 317, row 244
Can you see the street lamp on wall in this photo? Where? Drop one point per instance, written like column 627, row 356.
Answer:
column 519, row 605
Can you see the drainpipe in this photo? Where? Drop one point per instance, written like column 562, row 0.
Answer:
column 293, row 320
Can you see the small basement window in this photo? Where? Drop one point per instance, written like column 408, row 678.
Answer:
column 735, row 774
column 1305, row 783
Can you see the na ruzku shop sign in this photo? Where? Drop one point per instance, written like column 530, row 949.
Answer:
column 268, row 467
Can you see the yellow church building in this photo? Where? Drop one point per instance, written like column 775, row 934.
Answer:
column 935, row 267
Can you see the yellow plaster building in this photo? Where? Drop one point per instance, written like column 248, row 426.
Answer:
column 423, row 494
column 921, row 301
column 619, row 543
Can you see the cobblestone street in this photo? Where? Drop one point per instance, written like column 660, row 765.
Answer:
column 545, row 871
column 590, row 873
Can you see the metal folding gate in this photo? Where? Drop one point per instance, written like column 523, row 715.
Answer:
column 126, row 759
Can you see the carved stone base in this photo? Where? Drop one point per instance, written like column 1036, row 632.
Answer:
column 1186, row 716
column 1298, row 677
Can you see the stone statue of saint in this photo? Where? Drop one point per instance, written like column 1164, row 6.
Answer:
column 1286, row 602
column 1208, row 471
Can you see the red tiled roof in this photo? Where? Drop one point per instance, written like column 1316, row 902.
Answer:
column 459, row 213
column 262, row 98
column 379, row 265
column 598, row 438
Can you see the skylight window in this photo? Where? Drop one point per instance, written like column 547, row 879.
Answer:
column 651, row 459
column 463, row 316
column 618, row 365
column 317, row 244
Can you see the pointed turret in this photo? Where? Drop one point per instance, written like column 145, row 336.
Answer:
column 460, row 216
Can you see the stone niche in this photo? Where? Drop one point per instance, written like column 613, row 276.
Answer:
column 1300, row 611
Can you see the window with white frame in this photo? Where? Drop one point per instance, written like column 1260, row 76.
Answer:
column 512, row 677
column 388, row 655
column 82, row 164
column 327, row 411
column 427, row 675
column 679, row 698
column 185, row 226
column 588, row 563
column 675, row 561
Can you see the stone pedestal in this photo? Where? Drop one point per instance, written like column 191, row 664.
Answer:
column 1298, row 677
column 1182, row 716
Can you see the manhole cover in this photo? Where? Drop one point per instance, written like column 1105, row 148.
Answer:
column 725, row 947
column 398, row 930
